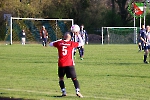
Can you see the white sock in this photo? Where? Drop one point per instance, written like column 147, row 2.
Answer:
column 77, row 90
column 63, row 90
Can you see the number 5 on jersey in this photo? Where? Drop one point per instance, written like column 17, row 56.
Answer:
column 64, row 50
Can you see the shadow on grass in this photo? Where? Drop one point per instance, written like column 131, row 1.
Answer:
column 70, row 96
column 110, row 63
column 10, row 98
column 129, row 76
column 57, row 96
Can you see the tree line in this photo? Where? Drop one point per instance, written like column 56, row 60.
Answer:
column 94, row 14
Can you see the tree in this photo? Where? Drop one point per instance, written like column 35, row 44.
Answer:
column 123, row 10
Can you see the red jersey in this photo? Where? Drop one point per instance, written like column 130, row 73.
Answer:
column 65, row 52
column 43, row 33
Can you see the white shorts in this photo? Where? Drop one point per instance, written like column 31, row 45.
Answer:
column 23, row 40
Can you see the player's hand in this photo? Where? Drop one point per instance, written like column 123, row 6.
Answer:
column 145, row 42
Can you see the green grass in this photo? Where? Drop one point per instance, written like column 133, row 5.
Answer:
column 108, row 72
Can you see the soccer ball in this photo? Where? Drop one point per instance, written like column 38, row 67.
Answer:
column 75, row 28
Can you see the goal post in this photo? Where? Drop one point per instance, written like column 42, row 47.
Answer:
column 119, row 35
column 55, row 27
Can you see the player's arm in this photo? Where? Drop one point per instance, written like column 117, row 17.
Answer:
column 86, row 37
column 143, row 39
column 46, row 34
column 52, row 43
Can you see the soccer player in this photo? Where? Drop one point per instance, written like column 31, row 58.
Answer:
column 145, row 37
column 65, row 62
column 85, row 40
column 84, row 36
column 23, row 37
column 75, row 39
column 140, row 42
column 44, row 36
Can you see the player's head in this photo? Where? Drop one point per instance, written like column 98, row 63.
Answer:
column 143, row 27
column 82, row 27
column 75, row 28
column 67, row 36
column 147, row 27
column 43, row 27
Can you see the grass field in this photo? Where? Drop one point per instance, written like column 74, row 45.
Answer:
column 108, row 72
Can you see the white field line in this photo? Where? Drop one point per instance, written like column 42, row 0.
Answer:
column 31, row 91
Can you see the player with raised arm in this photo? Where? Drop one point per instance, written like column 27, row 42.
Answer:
column 65, row 61
column 145, row 37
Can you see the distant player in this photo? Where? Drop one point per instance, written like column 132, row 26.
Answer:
column 44, row 36
column 140, row 42
column 23, row 37
column 65, row 61
column 145, row 37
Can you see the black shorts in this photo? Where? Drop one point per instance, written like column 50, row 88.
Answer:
column 68, row 70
